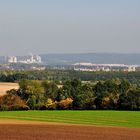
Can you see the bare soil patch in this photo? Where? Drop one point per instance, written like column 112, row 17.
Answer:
column 5, row 86
column 27, row 130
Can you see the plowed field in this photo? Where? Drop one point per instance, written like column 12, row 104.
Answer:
column 26, row 130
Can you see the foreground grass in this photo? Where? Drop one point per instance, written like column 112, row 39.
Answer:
column 107, row 118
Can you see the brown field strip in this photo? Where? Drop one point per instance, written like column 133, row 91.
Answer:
column 28, row 130
column 5, row 86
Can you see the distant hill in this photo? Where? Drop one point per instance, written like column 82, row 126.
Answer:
column 64, row 59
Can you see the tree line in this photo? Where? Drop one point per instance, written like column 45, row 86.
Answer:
column 65, row 75
column 112, row 94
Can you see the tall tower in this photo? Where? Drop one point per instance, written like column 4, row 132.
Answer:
column 31, row 58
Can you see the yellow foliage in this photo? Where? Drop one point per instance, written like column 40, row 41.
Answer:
column 105, row 101
column 49, row 102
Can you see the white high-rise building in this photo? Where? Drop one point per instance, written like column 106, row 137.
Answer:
column 30, row 59
column 33, row 59
column 131, row 68
column 12, row 59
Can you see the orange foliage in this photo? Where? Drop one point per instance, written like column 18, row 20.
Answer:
column 65, row 103
column 12, row 102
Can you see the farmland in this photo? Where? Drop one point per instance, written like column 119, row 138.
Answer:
column 70, row 125
column 4, row 86
column 104, row 118
column 65, row 132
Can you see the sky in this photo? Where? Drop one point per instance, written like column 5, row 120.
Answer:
column 69, row 26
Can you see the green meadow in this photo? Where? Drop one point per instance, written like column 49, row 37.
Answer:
column 106, row 118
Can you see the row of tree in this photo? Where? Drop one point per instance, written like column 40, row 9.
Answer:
column 65, row 75
column 112, row 94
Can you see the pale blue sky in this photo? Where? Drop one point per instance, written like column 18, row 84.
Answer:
column 69, row 26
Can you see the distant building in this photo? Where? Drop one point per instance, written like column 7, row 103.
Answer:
column 103, row 67
column 32, row 59
column 131, row 68
column 37, row 59
column 12, row 59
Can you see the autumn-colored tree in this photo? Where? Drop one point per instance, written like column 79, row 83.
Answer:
column 50, row 104
column 12, row 102
column 65, row 104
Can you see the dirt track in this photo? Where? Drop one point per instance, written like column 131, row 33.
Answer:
column 20, row 131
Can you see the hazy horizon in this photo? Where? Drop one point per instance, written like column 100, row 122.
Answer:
column 72, row 53
column 75, row 26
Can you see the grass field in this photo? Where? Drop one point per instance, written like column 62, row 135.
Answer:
column 105, row 118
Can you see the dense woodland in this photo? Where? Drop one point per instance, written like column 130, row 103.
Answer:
column 113, row 94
